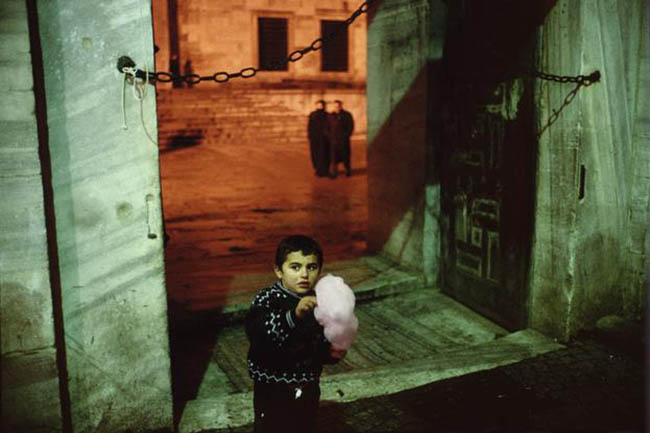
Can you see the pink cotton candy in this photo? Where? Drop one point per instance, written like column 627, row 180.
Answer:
column 335, row 311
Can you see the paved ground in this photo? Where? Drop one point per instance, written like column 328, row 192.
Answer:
column 594, row 385
column 414, row 338
column 226, row 206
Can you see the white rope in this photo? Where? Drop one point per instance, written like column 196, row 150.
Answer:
column 139, row 91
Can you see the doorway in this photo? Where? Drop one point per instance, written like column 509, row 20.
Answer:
column 236, row 170
column 489, row 159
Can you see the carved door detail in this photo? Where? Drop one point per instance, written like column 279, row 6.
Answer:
column 487, row 198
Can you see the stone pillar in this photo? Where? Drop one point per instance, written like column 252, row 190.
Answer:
column 108, row 217
column 589, row 252
column 404, row 39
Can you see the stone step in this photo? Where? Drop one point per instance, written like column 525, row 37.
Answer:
column 236, row 409
column 370, row 277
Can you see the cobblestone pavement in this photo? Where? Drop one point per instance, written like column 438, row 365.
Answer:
column 591, row 386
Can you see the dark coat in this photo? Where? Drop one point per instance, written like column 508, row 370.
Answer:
column 319, row 146
column 341, row 128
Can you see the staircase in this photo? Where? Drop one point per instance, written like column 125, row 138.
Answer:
column 246, row 116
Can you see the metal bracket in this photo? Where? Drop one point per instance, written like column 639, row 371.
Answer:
column 125, row 62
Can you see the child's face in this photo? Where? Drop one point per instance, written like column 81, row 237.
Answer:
column 299, row 272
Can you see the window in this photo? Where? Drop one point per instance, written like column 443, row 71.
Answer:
column 272, row 38
column 334, row 55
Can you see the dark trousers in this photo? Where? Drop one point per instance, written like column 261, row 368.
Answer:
column 285, row 408
column 340, row 153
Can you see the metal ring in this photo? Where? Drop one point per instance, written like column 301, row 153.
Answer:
column 316, row 48
column 192, row 78
column 216, row 76
column 248, row 72
column 293, row 58
column 364, row 7
column 164, row 77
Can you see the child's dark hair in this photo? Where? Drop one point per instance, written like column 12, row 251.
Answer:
column 301, row 243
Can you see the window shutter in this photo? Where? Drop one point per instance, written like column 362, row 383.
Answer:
column 272, row 37
column 334, row 55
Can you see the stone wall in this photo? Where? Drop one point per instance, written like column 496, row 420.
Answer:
column 108, row 220
column 404, row 39
column 222, row 36
column 30, row 380
column 590, row 249
column 250, row 117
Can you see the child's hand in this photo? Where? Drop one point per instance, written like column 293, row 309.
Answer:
column 337, row 354
column 305, row 306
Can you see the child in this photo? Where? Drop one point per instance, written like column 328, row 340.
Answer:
column 287, row 345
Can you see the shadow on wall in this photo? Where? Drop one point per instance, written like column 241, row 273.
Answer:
column 397, row 173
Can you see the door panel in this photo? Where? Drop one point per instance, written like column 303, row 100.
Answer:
column 488, row 162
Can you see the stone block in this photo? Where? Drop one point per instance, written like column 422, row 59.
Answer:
column 19, row 149
column 26, row 305
column 15, row 76
column 12, row 7
column 15, row 23
column 22, row 215
column 17, row 105
column 30, row 392
column 13, row 43
column 24, row 287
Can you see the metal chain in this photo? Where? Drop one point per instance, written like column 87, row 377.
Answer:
column 223, row 77
column 580, row 80
column 317, row 44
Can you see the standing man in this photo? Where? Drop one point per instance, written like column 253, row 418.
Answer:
column 319, row 145
column 341, row 127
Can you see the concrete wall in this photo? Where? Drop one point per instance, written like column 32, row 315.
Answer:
column 222, row 36
column 30, row 379
column 108, row 223
column 404, row 39
column 590, row 254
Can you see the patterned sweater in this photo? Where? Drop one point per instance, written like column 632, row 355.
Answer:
column 283, row 348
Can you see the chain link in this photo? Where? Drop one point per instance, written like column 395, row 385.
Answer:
column 580, row 80
column 224, row 77
column 317, row 44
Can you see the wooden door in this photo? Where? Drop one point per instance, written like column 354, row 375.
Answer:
column 488, row 160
